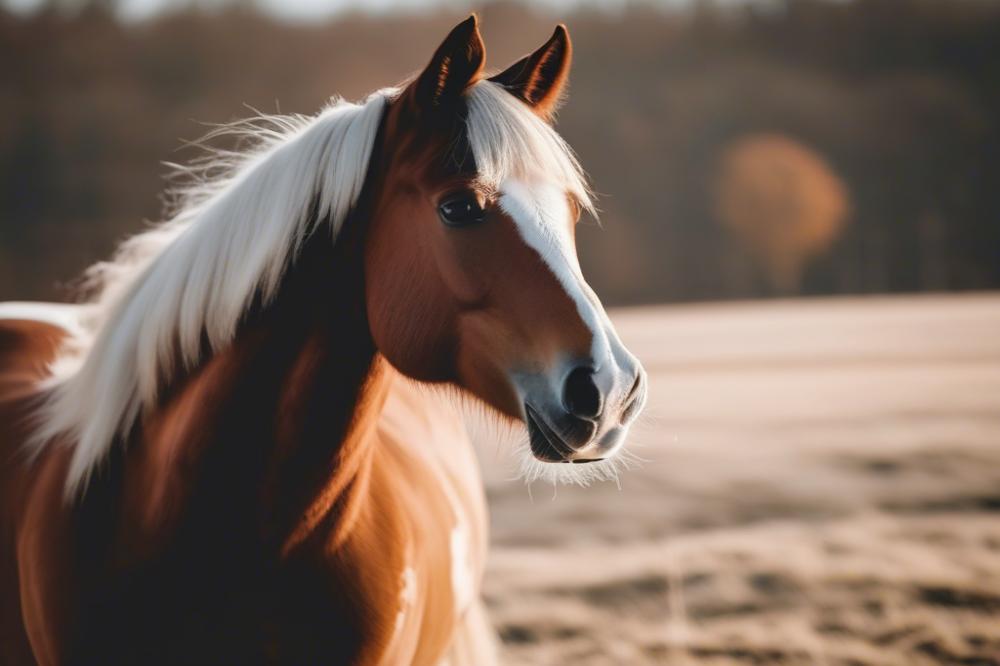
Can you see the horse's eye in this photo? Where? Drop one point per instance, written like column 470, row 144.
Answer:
column 461, row 210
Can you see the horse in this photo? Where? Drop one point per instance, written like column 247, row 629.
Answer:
column 247, row 445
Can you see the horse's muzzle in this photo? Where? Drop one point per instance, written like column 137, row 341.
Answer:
column 583, row 424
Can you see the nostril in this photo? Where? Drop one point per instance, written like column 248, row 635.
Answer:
column 581, row 397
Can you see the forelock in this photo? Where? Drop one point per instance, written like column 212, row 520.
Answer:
column 508, row 140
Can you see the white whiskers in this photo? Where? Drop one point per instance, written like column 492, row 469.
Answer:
column 532, row 469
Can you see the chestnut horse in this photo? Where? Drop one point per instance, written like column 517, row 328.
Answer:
column 229, row 455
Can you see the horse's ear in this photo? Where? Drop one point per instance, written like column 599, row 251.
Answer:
column 455, row 66
column 540, row 78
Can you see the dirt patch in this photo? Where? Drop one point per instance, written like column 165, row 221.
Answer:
column 800, row 504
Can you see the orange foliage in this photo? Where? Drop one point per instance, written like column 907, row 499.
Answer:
column 782, row 201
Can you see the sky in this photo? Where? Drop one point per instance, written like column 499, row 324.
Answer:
column 306, row 10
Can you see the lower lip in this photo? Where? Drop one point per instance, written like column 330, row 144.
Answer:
column 558, row 447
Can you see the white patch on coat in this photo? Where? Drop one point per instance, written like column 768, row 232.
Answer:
column 407, row 596
column 463, row 581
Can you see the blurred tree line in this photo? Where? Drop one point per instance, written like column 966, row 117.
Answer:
column 879, row 121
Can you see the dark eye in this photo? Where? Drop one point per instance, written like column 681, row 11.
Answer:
column 461, row 210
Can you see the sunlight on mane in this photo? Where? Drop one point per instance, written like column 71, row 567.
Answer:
column 233, row 232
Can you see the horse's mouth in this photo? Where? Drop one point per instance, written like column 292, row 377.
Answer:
column 546, row 444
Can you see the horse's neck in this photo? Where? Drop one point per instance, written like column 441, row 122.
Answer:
column 274, row 434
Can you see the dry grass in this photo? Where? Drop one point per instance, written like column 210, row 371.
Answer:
column 823, row 487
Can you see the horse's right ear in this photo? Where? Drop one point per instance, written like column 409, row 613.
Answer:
column 539, row 79
column 456, row 65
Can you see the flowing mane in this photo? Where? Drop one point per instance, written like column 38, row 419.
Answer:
column 233, row 235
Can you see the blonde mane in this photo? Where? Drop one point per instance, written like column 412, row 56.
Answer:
column 234, row 233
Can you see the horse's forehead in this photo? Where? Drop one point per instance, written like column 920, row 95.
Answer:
column 540, row 202
column 441, row 152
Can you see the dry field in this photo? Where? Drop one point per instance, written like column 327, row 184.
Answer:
column 821, row 486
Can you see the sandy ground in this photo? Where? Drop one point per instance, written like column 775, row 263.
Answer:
column 822, row 486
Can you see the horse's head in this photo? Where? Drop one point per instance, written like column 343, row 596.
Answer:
column 470, row 267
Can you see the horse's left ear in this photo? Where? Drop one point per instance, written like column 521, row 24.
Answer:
column 455, row 66
column 540, row 78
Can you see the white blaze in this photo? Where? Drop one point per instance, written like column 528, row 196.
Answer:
column 542, row 216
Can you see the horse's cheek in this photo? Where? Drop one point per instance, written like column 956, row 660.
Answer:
column 417, row 343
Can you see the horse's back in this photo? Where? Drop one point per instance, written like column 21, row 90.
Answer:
column 31, row 336
column 29, row 343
